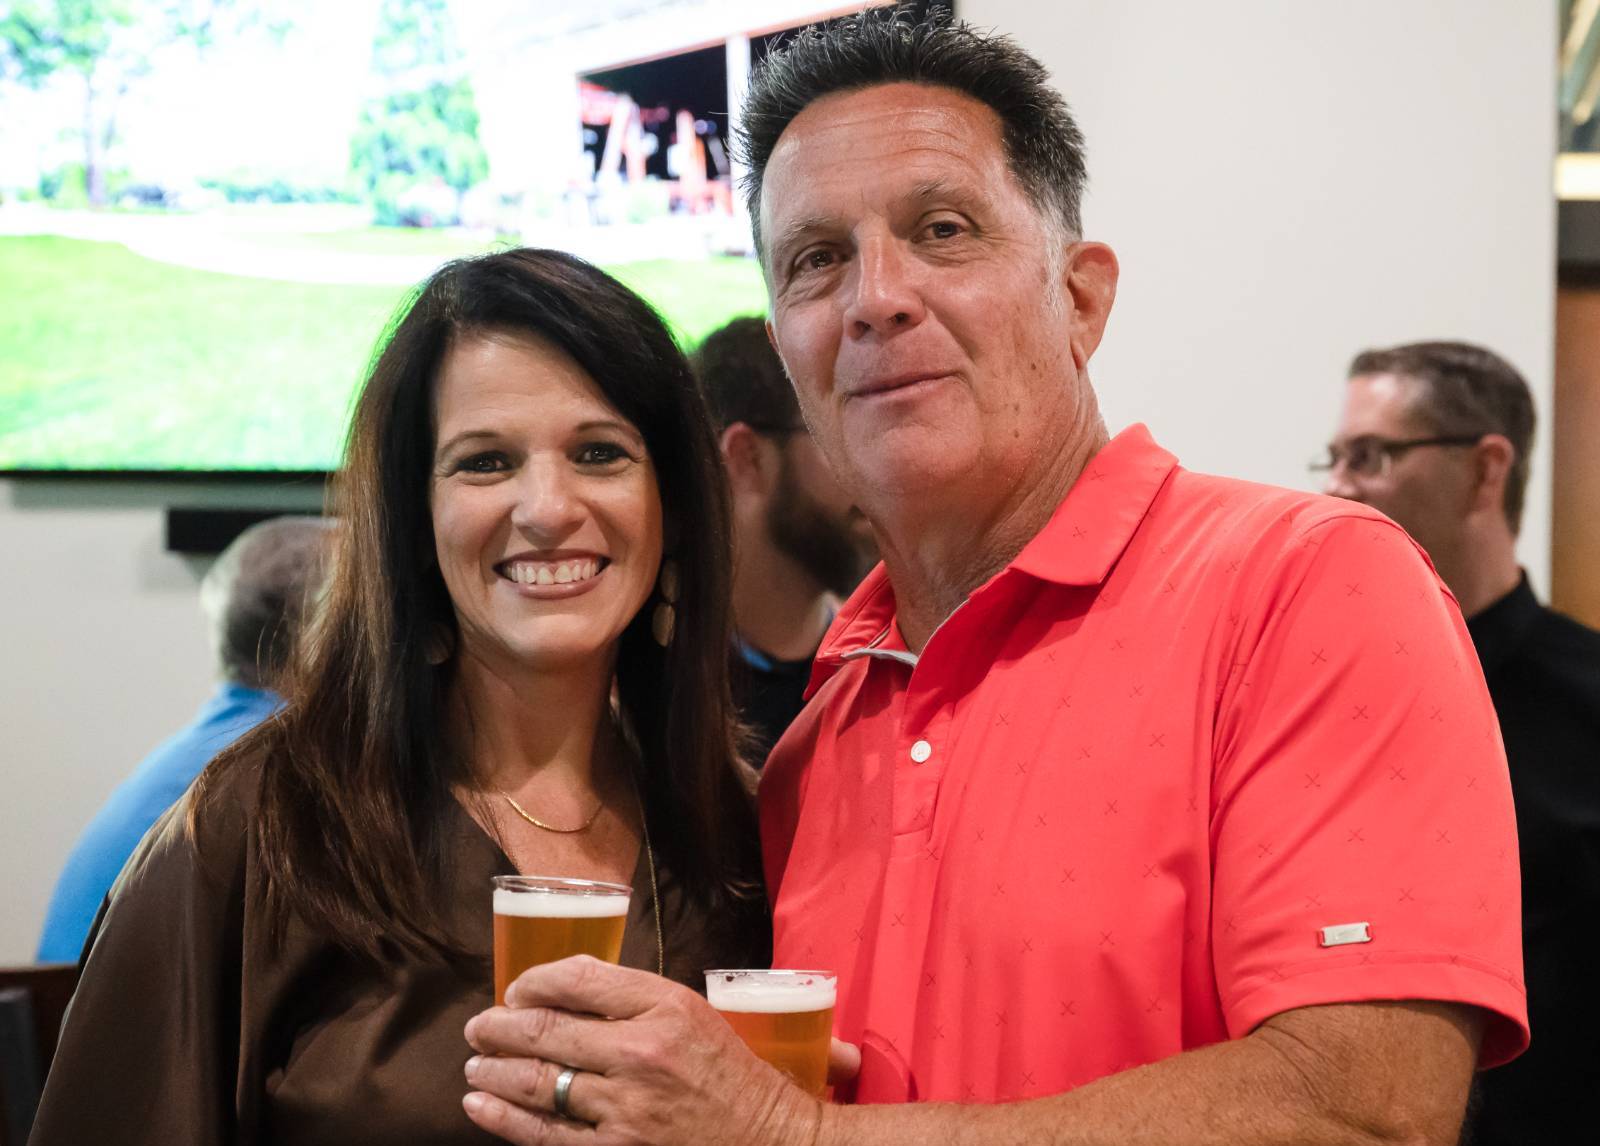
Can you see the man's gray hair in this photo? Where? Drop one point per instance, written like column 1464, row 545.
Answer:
column 1043, row 145
column 261, row 591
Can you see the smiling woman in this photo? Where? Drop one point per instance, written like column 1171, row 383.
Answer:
column 546, row 514
column 531, row 484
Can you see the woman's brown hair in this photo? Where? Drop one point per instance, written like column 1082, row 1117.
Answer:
column 357, row 776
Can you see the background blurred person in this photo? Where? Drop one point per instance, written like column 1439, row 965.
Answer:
column 533, row 523
column 255, row 598
column 1437, row 435
column 799, row 548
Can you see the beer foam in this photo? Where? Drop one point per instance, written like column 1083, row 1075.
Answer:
column 754, row 997
column 558, row 904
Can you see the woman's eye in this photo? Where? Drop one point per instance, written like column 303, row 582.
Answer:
column 601, row 454
column 481, row 464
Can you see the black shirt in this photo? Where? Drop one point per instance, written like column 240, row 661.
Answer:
column 1543, row 671
column 769, row 693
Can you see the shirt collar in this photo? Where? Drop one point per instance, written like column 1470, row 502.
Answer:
column 1499, row 629
column 1091, row 527
column 1079, row 545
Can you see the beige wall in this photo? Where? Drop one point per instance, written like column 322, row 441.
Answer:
column 1284, row 182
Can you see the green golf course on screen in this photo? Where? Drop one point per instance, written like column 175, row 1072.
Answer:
column 210, row 213
column 111, row 361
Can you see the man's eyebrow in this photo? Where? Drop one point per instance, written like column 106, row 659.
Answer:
column 928, row 191
column 942, row 189
column 798, row 229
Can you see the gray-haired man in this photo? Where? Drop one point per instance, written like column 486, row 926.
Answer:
column 1082, row 671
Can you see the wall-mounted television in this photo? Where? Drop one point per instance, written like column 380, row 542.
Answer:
column 209, row 213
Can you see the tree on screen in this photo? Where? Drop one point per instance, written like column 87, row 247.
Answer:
column 108, row 45
column 420, row 128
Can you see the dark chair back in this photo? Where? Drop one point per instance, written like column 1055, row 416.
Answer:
column 32, row 1002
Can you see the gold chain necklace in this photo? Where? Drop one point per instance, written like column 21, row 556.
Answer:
column 538, row 823
column 649, row 856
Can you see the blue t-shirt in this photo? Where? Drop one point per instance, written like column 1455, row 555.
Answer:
column 155, row 785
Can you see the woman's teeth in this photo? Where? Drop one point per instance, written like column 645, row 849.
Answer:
column 552, row 572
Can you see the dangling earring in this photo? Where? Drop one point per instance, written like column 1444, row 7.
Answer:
column 664, row 619
column 439, row 646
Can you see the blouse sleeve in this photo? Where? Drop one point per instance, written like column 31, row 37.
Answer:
column 149, row 1049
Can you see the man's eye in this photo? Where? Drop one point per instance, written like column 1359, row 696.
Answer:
column 1361, row 455
column 944, row 229
column 814, row 260
column 601, row 454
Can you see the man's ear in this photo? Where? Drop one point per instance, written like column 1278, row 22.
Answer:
column 745, row 457
column 1492, row 458
column 1089, row 282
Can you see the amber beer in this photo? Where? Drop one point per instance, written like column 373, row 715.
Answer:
column 539, row 919
column 785, row 1017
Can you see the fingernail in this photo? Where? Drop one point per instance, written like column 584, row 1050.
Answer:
column 472, row 1065
column 473, row 1102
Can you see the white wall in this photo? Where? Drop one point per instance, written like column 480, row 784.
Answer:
column 1285, row 182
column 103, row 654
column 1289, row 182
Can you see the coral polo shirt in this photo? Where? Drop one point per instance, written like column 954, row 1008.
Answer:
column 1204, row 752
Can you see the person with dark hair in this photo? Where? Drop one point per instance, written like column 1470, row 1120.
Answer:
column 521, row 664
column 1438, row 436
column 255, row 598
column 800, row 547
column 1130, row 804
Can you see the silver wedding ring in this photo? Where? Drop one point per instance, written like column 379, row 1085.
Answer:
column 564, row 1091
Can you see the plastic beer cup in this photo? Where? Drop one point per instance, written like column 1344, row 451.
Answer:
column 785, row 1017
column 539, row 919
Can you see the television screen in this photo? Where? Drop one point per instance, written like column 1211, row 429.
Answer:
column 209, row 209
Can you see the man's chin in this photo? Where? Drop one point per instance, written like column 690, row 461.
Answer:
column 907, row 468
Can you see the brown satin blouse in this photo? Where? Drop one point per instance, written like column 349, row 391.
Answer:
column 189, row 1028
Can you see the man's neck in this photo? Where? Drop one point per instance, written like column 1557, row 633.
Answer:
column 777, row 606
column 938, row 552
column 1485, row 568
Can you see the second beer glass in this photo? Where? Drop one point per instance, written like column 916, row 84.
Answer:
column 539, row 919
column 785, row 1017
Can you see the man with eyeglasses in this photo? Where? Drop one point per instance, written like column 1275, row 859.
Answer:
column 800, row 546
column 1437, row 435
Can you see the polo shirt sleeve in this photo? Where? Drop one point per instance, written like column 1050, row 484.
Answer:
column 1362, row 829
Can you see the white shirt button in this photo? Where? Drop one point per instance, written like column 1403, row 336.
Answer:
column 920, row 751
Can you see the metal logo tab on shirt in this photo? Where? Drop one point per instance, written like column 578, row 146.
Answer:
column 1341, row 933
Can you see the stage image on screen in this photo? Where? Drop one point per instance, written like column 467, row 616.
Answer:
column 209, row 211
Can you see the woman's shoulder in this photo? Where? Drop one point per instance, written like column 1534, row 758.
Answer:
column 206, row 835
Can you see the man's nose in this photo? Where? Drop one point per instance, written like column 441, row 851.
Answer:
column 547, row 503
column 1338, row 483
column 887, row 297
